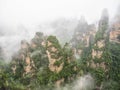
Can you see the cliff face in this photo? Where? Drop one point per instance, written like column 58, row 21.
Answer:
column 99, row 47
column 53, row 53
column 83, row 36
column 28, row 55
column 114, row 35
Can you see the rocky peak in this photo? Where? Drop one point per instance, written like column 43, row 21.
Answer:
column 114, row 35
column 53, row 53
column 98, row 50
column 84, row 35
column 29, row 53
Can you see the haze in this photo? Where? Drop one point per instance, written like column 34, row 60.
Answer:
column 33, row 12
column 20, row 19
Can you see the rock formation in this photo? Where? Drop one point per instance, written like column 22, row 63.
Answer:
column 53, row 52
column 30, row 54
column 99, row 47
column 114, row 35
column 84, row 35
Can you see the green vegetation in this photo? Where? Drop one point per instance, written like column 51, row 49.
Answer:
column 40, row 64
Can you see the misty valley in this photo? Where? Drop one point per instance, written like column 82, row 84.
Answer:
column 76, row 56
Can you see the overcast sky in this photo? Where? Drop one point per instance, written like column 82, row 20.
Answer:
column 33, row 12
